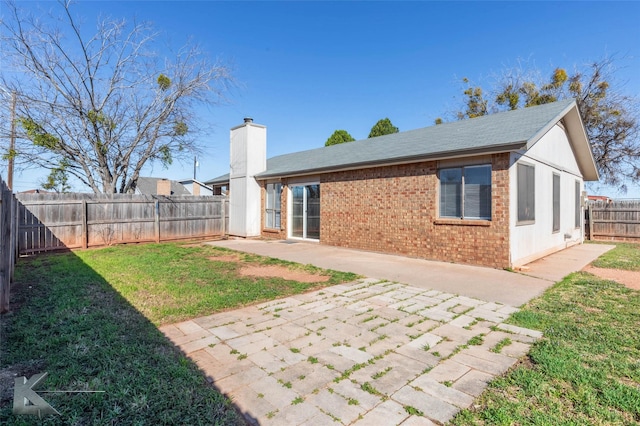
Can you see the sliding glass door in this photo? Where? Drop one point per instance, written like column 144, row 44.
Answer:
column 305, row 211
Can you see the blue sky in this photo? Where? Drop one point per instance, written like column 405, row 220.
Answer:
column 305, row 69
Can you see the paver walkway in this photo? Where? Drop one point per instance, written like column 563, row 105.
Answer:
column 363, row 353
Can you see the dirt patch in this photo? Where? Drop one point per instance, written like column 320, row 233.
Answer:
column 10, row 373
column 274, row 271
column 226, row 258
column 630, row 279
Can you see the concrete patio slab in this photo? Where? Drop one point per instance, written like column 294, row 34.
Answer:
column 558, row 265
column 413, row 347
column 476, row 282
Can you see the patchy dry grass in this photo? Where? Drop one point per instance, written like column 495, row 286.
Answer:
column 586, row 369
column 89, row 319
column 172, row 282
column 625, row 256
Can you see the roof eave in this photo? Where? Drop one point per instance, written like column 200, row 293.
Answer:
column 584, row 156
column 395, row 161
column 577, row 137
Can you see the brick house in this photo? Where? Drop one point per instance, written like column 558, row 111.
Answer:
column 499, row 190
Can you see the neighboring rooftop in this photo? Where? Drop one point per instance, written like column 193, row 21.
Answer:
column 149, row 186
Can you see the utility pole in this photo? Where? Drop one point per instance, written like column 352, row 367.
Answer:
column 12, row 141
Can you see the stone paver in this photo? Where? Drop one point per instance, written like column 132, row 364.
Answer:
column 367, row 352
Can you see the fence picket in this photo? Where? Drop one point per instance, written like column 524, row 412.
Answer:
column 57, row 221
column 7, row 237
column 617, row 220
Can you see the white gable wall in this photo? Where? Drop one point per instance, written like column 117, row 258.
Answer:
column 551, row 154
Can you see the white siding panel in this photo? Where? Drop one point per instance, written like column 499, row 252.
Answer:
column 551, row 154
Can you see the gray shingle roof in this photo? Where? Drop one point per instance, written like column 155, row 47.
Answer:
column 149, row 186
column 491, row 133
column 499, row 132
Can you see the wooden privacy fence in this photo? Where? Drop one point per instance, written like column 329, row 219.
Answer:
column 613, row 220
column 7, row 243
column 66, row 221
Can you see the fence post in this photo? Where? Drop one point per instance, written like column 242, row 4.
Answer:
column 226, row 216
column 590, row 215
column 5, row 247
column 157, row 220
column 85, row 226
column 13, row 245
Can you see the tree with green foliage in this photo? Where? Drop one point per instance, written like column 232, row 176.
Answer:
column 611, row 118
column 383, row 127
column 58, row 180
column 475, row 102
column 103, row 103
column 339, row 136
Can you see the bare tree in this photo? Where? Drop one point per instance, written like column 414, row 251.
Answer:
column 611, row 118
column 100, row 107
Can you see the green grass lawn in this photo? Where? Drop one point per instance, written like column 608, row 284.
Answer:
column 173, row 282
column 586, row 369
column 89, row 319
column 624, row 256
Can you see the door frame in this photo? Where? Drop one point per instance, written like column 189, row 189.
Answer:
column 290, row 210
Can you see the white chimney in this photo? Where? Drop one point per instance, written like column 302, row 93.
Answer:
column 248, row 158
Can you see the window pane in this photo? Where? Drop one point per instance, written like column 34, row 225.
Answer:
column 272, row 205
column 313, row 211
column 451, row 192
column 270, row 196
column 477, row 192
column 556, row 203
column 577, row 205
column 297, row 211
column 277, row 193
column 526, row 193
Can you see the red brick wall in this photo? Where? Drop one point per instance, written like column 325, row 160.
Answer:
column 394, row 209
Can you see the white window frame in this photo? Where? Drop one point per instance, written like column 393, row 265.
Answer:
column 530, row 194
column 463, row 216
column 290, row 186
column 273, row 212
column 577, row 205
column 556, row 202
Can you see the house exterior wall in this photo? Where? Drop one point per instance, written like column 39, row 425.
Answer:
column 552, row 154
column 394, row 209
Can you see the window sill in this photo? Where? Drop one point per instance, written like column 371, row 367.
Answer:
column 463, row 222
column 271, row 230
column 526, row 222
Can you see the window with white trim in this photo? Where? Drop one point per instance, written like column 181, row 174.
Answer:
column 465, row 192
column 272, row 206
column 526, row 193
column 577, row 206
column 556, row 202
